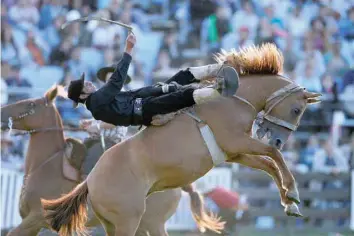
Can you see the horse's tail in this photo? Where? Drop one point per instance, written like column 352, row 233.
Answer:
column 68, row 214
column 203, row 219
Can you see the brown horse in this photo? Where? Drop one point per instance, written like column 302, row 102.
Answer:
column 53, row 165
column 159, row 158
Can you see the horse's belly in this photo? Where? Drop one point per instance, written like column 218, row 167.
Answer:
column 184, row 173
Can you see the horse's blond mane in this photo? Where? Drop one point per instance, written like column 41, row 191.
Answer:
column 264, row 59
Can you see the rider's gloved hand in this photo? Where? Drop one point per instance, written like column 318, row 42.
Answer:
column 90, row 126
column 129, row 43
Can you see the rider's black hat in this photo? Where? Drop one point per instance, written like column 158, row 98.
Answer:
column 102, row 74
column 75, row 89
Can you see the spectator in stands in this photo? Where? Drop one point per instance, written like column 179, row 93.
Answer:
column 24, row 13
column 50, row 10
column 103, row 34
column 36, row 49
column 6, row 143
column 237, row 40
column 330, row 160
column 309, row 52
column 346, row 25
column 52, row 32
column 329, row 16
column 76, row 64
column 163, row 67
column 275, row 21
column 14, row 79
column 310, row 80
column 319, row 34
column 218, row 26
column 171, row 46
column 61, row 54
column 9, row 50
column 246, row 12
column 297, row 24
column 4, row 96
column 348, row 152
column 334, row 58
column 9, row 160
column 292, row 57
column 199, row 10
column 307, row 153
column 348, row 91
column 290, row 153
column 115, row 8
column 328, row 84
column 265, row 32
column 348, row 79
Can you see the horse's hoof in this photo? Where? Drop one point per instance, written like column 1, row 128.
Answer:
column 292, row 210
column 293, row 196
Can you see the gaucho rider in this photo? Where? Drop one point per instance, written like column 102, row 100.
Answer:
column 137, row 107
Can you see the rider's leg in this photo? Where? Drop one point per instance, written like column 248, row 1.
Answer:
column 153, row 91
column 196, row 74
column 208, row 71
column 172, row 102
column 183, row 77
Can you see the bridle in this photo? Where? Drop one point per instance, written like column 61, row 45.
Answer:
column 272, row 101
column 31, row 112
column 276, row 98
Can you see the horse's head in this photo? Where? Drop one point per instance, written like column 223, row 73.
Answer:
column 30, row 114
column 283, row 114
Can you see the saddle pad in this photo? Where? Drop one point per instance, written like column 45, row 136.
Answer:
column 215, row 151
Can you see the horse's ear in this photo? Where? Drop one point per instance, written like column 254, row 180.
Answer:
column 51, row 93
column 308, row 95
column 313, row 100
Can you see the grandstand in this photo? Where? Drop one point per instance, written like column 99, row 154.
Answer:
column 315, row 36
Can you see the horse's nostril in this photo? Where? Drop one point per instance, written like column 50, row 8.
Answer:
column 278, row 142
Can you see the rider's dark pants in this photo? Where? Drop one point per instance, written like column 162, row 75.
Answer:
column 167, row 103
column 183, row 77
column 171, row 102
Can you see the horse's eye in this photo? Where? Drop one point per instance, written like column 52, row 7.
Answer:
column 296, row 111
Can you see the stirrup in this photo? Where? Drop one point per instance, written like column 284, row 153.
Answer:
column 230, row 82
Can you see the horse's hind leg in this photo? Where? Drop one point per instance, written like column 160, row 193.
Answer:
column 121, row 219
column 153, row 230
column 30, row 226
column 158, row 230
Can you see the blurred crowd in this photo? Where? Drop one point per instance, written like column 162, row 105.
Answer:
column 316, row 37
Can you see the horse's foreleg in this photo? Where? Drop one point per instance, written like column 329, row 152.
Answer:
column 268, row 165
column 255, row 147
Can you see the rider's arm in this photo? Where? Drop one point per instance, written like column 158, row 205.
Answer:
column 120, row 73
column 95, row 126
column 105, row 125
column 114, row 85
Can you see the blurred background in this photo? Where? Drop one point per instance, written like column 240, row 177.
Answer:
column 316, row 37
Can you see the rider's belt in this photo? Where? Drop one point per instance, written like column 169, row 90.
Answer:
column 138, row 112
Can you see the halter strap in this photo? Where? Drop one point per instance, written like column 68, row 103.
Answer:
column 273, row 100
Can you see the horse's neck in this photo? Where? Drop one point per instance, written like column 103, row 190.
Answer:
column 256, row 89
column 44, row 145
